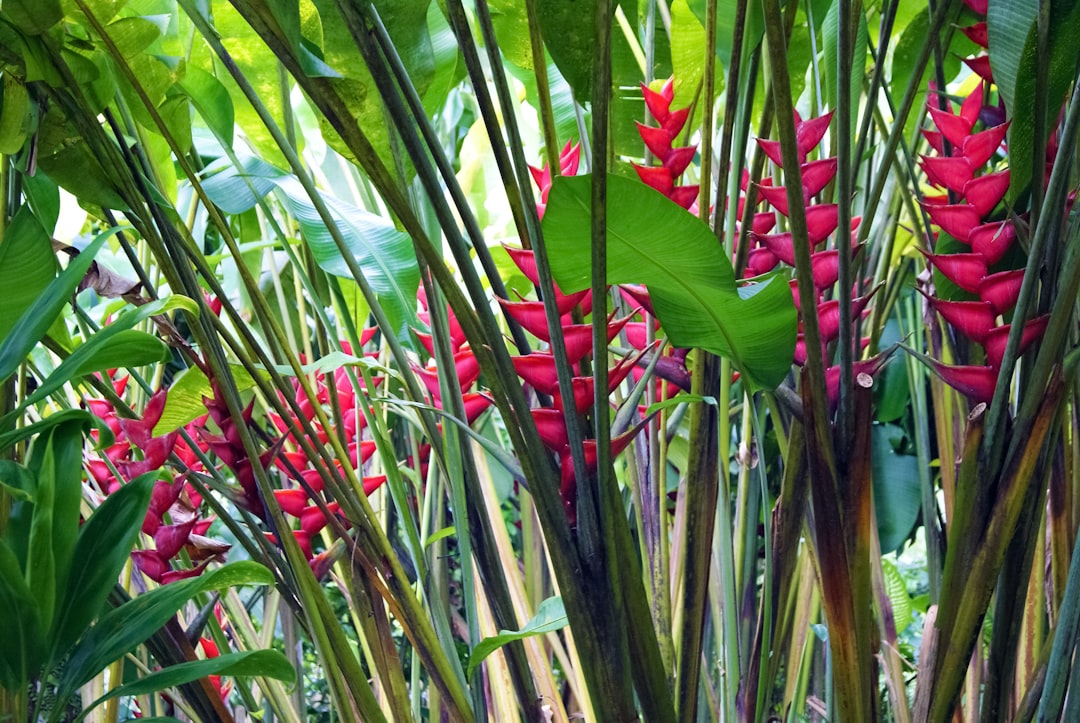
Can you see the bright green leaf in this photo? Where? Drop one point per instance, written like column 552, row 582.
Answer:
column 692, row 284
column 550, row 616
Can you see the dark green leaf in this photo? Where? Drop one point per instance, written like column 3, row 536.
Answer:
column 36, row 319
column 655, row 242
column 20, row 627
column 212, row 100
column 121, row 629
column 550, row 616
column 896, row 488
column 265, row 663
column 19, row 482
column 829, row 30
column 101, row 550
column 27, row 265
column 33, row 17
column 128, row 348
column 15, row 436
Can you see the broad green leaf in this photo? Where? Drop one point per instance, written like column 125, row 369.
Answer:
column 725, row 26
column 550, row 616
column 1059, row 61
column 33, row 17
column 655, row 242
column 211, row 99
column 133, row 35
column 85, row 354
column 35, row 320
column 44, row 198
column 67, row 451
column 101, row 550
column 20, row 626
column 1009, row 25
column 127, row 348
column 447, row 63
column 27, row 265
column 897, row 497
column 185, row 401
column 123, row 628
column 384, row 254
column 264, row 663
column 898, row 595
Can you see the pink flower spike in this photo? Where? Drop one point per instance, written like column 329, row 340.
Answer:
column 809, row 133
column 551, row 426
column 957, row 220
column 949, row 173
column 475, row 405
column 979, row 7
column 772, row 150
column 1001, row 290
column 985, row 192
column 169, row 539
column 685, row 196
column 816, row 175
column 976, row 33
column 974, row 319
column 997, row 339
column 776, row 197
column 980, row 66
column 992, row 240
column 953, row 127
column 763, row 222
column 638, row 295
column 657, row 104
column 964, row 270
column 977, row 383
column 656, row 177
column 538, row 370
column 373, row 483
column 761, row 261
column 826, row 268
column 526, row 263
column 150, row 564
column 780, row 245
column 292, row 502
column 969, row 111
column 679, row 159
column 935, row 140
column 981, row 147
column 657, row 140
column 676, row 120
column 530, row 314
column 821, row 221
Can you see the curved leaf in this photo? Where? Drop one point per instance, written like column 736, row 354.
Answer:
column 102, row 548
column 896, row 482
column 692, row 284
column 266, row 663
column 123, row 628
column 550, row 616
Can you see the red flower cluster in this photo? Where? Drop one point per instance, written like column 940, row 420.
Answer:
column 660, row 142
column 821, row 220
column 971, row 192
column 298, row 501
column 173, row 518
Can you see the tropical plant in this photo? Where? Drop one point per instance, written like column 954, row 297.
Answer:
column 755, row 399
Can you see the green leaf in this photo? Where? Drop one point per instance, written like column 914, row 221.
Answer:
column 898, row 595
column 692, row 284
column 127, row 348
column 27, row 265
column 20, row 626
column 122, row 629
column 18, row 482
column 33, row 17
column 550, row 616
column 8, row 439
column 212, row 100
column 829, row 31
column 36, row 319
column 86, row 354
column 101, row 550
column 897, row 497
column 265, row 663
column 1014, row 30
column 40, row 560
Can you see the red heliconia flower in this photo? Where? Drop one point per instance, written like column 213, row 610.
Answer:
column 660, row 141
column 569, row 159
